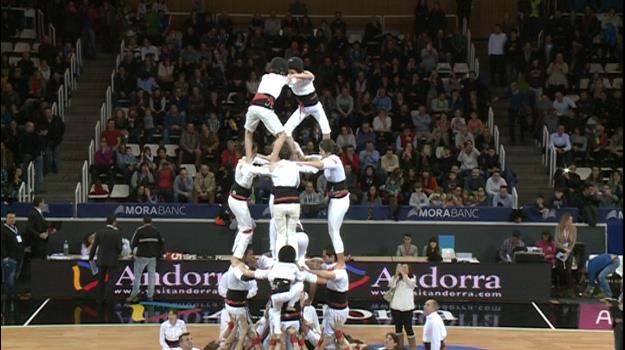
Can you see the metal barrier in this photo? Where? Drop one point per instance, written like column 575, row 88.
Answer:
column 85, row 181
column 108, row 103
column 502, row 157
column 96, row 135
column 30, row 175
column 52, row 34
column 496, row 138
column 77, row 196
column 91, row 151
column 545, row 145
column 21, row 193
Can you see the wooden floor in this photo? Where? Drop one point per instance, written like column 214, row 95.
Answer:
column 124, row 337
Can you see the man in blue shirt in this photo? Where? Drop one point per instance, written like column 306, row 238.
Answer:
column 381, row 101
column 369, row 156
column 363, row 135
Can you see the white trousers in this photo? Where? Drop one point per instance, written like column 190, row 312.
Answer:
column 300, row 114
column 277, row 301
column 337, row 207
column 302, row 243
column 286, row 216
column 330, row 317
column 245, row 226
column 256, row 114
column 225, row 317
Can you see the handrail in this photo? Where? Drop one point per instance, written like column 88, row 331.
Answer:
column 91, row 151
column 552, row 165
column 96, row 134
column 66, row 83
column 39, row 26
column 79, row 55
column 54, row 108
column 72, row 72
column 545, row 144
column 52, row 34
column 491, row 120
column 496, row 138
column 103, row 118
column 118, row 60
column 77, row 197
column 515, row 198
column 502, row 157
column 30, row 175
column 61, row 102
column 113, row 81
column 85, row 181
column 108, row 102
column 477, row 68
column 21, row 193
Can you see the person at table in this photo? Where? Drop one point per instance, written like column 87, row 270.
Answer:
column 433, row 251
column 508, row 247
column 38, row 230
column 12, row 255
column 171, row 330
column 87, row 243
column 407, row 248
column 108, row 245
column 548, row 246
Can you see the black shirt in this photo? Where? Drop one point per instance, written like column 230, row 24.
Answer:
column 148, row 241
column 12, row 243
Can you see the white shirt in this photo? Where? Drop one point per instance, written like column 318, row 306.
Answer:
column 232, row 280
column 340, row 283
column 496, row 43
column 285, row 174
column 382, row 125
column 310, row 316
column 434, row 331
column 564, row 106
column 171, row 333
column 301, row 87
column 244, row 173
column 333, row 168
column 280, row 270
column 492, row 186
column 271, row 84
column 264, row 262
column 403, row 299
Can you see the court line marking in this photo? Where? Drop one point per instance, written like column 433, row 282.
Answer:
column 543, row 316
column 518, row 329
column 45, row 302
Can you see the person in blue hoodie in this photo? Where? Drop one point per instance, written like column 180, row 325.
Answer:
column 598, row 269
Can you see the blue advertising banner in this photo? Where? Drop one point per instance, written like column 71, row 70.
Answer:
column 615, row 237
column 52, row 210
column 159, row 210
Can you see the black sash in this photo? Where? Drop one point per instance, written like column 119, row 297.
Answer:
column 263, row 100
column 283, row 194
column 239, row 192
column 236, row 295
column 280, row 285
column 337, row 300
column 337, row 186
column 308, row 100
column 294, row 315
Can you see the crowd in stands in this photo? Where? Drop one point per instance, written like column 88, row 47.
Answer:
column 31, row 132
column 570, row 84
column 408, row 134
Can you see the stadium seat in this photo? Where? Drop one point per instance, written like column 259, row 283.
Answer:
column 596, row 68
column 617, row 83
column 21, row 46
column 120, row 192
column 612, row 68
column 190, row 169
column 7, row 46
column 35, row 47
column 461, row 68
column 99, row 196
column 171, row 150
column 583, row 83
column 607, row 84
column 28, row 34
column 584, row 172
column 443, row 68
column 135, row 150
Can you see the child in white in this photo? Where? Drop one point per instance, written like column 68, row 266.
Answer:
column 301, row 83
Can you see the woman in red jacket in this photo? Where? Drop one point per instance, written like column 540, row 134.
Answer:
column 428, row 182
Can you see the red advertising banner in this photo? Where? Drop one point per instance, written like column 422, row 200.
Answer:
column 594, row 316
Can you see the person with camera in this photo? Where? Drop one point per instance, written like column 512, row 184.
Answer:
column 401, row 300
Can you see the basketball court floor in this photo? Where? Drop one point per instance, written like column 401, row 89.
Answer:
column 80, row 324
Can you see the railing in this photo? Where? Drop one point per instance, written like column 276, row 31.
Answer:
column 103, row 116
column 54, row 108
column 21, row 193
column 85, row 181
column 52, row 34
column 39, row 24
column 113, row 80
column 491, row 120
column 78, row 56
column 108, row 102
column 545, row 145
column 91, row 151
column 77, row 197
column 96, row 135
column 552, row 164
column 502, row 157
column 72, row 66
column 496, row 138
column 515, row 198
column 30, row 175
column 61, row 102
column 66, row 82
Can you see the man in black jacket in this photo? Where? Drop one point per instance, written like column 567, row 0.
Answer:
column 109, row 242
column 53, row 128
column 12, row 254
column 149, row 247
column 38, row 230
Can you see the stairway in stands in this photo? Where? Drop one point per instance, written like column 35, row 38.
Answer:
column 523, row 158
column 80, row 120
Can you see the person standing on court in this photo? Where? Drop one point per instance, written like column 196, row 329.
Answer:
column 37, row 229
column 402, row 304
column 149, row 245
column 434, row 332
column 108, row 244
column 12, row 254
